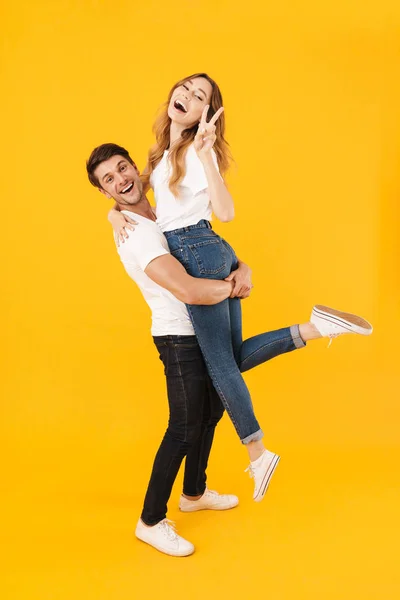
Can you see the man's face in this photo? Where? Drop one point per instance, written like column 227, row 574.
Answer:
column 119, row 180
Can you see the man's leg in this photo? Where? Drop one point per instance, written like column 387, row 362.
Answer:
column 194, row 483
column 186, row 385
column 196, row 496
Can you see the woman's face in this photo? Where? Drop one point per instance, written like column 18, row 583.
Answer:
column 188, row 101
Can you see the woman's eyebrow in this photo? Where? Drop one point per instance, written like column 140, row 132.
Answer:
column 200, row 90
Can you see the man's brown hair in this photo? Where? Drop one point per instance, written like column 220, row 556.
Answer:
column 99, row 155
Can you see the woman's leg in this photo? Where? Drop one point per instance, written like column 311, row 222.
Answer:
column 260, row 348
column 205, row 255
column 212, row 328
column 219, row 332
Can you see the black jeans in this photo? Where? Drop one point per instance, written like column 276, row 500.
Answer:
column 195, row 409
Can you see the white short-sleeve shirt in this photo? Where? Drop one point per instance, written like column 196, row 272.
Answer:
column 147, row 242
column 193, row 202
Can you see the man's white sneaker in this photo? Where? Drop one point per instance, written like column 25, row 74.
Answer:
column 261, row 470
column 164, row 538
column 210, row 500
column 331, row 323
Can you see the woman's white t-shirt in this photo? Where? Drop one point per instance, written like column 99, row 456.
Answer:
column 193, row 202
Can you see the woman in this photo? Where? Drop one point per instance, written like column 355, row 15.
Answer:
column 184, row 169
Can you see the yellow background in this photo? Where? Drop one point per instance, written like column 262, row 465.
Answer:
column 312, row 99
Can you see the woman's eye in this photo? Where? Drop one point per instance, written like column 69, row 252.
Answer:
column 185, row 86
column 199, row 98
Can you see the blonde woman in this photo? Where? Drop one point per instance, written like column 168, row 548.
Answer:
column 185, row 169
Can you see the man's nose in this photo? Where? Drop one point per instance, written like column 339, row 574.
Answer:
column 121, row 178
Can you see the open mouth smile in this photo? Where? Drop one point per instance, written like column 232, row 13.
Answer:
column 178, row 105
column 127, row 188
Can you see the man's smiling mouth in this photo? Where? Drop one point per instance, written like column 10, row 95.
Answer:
column 127, row 188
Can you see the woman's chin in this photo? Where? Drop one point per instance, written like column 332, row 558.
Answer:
column 177, row 118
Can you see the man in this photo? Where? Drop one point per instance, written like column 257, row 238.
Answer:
column 195, row 407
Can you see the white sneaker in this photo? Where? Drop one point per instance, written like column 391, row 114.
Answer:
column 331, row 323
column 164, row 538
column 209, row 500
column 261, row 470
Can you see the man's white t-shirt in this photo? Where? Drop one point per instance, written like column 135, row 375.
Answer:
column 147, row 242
column 193, row 203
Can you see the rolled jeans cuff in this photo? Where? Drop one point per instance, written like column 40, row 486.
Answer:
column 253, row 437
column 297, row 339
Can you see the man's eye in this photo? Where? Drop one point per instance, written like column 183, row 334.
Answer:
column 123, row 167
column 109, row 180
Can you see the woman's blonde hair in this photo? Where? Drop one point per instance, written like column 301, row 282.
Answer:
column 161, row 129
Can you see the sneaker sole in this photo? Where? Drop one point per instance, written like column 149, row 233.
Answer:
column 352, row 323
column 188, row 510
column 267, row 478
column 163, row 550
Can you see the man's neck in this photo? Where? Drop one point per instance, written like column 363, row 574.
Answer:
column 142, row 208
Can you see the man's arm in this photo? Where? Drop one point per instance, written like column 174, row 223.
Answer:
column 168, row 272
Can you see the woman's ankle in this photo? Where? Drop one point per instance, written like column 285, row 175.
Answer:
column 255, row 449
column 308, row 332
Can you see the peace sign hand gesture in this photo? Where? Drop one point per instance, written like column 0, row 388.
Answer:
column 205, row 137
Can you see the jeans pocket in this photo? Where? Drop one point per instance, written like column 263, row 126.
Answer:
column 210, row 256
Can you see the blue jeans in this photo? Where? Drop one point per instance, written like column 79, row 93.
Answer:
column 218, row 328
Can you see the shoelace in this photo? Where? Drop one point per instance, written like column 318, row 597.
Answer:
column 331, row 336
column 169, row 529
column 251, row 471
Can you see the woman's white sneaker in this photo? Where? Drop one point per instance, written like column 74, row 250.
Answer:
column 331, row 322
column 261, row 470
column 164, row 538
column 209, row 501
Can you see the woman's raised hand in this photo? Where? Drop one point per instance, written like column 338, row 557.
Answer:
column 205, row 137
column 121, row 223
